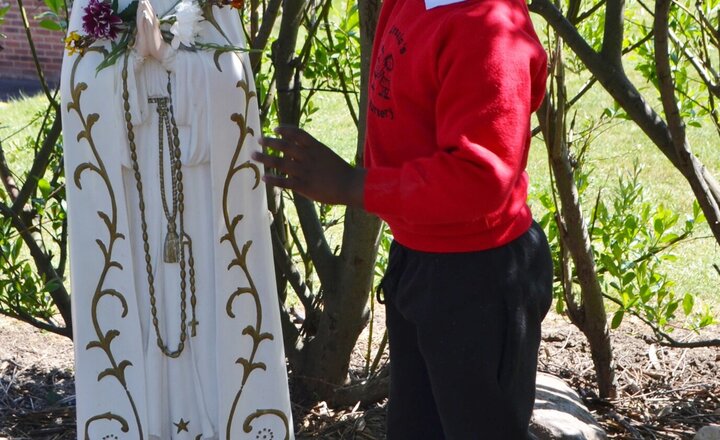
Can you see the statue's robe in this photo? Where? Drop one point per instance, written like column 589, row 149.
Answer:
column 229, row 381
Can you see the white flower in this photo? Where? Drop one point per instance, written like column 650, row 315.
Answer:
column 187, row 23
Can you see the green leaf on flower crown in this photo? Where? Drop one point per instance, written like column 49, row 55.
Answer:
column 114, row 6
column 216, row 58
column 118, row 49
column 128, row 14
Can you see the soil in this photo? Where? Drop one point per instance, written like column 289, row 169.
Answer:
column 663, row 393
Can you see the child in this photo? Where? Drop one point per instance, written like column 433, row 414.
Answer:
column 469, row 280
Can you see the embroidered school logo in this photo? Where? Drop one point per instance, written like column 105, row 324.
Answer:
column 382, row 73
column 381, row 79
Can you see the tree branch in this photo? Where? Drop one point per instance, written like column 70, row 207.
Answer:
column 666, row 339
column 43, row 262
column 369, row 13
column 617, row 84
column 317, row 245
column 291, row 337
column 688, row 164
column 613, row 80
column 285, row 62
column 665, row 80
column 312, row 30
column 6, row 176
column 366, row 392
column 702, row 72
column 613, row 33
column 42, row 325
column 260, row 40
column 585, row 15
column 341, row 75
column 40, row 164
column 31, row 43
column 292, row 274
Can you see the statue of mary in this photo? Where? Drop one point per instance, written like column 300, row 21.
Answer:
column 175, row 312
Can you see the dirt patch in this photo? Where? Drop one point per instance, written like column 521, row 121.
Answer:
column 37, row 389
column 663, row 393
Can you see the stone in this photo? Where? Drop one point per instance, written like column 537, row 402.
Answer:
column 710, row 432
column 559, row 413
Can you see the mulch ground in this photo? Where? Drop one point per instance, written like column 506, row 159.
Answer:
column 663, row 393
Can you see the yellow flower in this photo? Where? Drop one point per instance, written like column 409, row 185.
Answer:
column 72, row 43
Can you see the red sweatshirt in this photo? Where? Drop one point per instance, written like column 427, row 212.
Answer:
column 452, row 90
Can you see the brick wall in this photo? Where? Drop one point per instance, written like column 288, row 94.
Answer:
column 16, row 60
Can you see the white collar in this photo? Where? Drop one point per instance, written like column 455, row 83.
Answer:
column 430, row 4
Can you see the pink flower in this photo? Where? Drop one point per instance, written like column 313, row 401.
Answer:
column 100, row 21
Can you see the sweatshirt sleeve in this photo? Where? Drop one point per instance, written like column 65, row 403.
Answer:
column 491, row 76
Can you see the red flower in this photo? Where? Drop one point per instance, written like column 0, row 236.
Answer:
column 100, row 21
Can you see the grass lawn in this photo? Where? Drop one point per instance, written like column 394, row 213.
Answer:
column 19, row 121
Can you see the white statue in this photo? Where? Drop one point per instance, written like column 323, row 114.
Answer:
column 175, row 314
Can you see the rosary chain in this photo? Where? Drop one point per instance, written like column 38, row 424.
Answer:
column 146, row 246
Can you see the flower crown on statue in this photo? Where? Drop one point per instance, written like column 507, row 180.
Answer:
column 180, row 26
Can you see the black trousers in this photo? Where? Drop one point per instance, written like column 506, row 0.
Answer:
column 464, row 332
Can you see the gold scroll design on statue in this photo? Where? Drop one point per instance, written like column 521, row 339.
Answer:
column 250, row 364
column 104, row 339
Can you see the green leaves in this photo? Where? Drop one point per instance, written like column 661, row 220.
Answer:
column 128, row 14
column 51, row 22
column 334, row 63
column 631, row 239
column 54, row 18
column 26, row 285
column 117, row 49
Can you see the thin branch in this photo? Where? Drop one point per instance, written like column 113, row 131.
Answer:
column 31, row 43
column 291, row 337
column 666, row 339
column 6, row 176
column 20, row 130
column 313, row 30
column 39, row 166
column 702, row 21
column 260, row 40
column 588, row 86
column 366, row 392
column 699, row 66
column 42, row 325
column 292, row 274
column 582, row 17
column 317, row 245
column 341, row 75
column 63, row 245
column 254, row 20
column 268, row 100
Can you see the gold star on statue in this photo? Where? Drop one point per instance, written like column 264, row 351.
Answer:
column 182, row 425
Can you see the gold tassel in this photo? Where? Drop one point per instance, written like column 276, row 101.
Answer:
column 171, row 251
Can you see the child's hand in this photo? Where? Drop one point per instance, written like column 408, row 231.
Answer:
column 312, row 169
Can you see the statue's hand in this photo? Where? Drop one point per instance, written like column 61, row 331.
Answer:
column 149, row 41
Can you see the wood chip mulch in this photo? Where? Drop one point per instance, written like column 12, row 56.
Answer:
column 663, row 393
